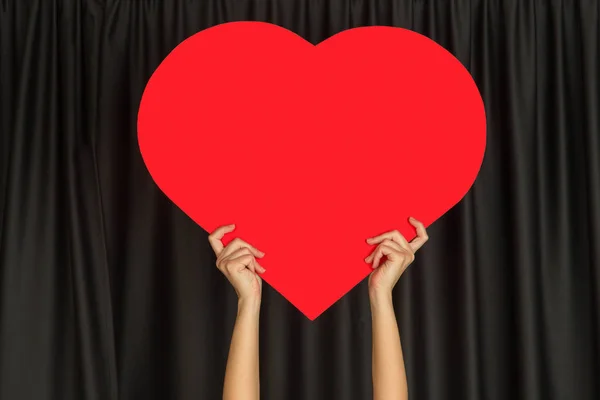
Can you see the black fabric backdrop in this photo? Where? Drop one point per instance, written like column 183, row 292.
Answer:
column 108, row 291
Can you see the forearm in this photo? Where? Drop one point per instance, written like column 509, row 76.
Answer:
column 242, row 371
column 389, row 375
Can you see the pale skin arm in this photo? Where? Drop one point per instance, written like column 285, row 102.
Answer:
column 238, row 263
column 389, row 374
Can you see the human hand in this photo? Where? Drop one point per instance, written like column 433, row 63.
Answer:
column 398, row 253
column 237, row 261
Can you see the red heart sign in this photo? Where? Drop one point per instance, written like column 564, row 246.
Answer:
column 308, row 149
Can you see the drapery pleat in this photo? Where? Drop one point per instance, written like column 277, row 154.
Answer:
column 108, row 291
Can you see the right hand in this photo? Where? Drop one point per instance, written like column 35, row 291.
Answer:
column 398, row 255
column 237, row 261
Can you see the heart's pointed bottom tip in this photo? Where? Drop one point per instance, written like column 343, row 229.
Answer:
column 313, row 317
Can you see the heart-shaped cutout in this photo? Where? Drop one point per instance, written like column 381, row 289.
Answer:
column 310, row 149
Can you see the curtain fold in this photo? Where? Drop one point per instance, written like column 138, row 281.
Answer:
column 108, row 291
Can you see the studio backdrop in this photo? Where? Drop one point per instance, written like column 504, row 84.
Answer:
column 110, row 292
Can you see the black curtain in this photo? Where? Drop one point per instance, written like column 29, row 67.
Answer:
column 109, row 291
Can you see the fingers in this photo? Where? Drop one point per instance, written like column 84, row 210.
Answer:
column 388, row 243
column 215, row 237
column 422, row 236
column 240, row 256
column 257, row 267
column 397, row 237
column 395, row 247
column 382, row 250
column 394, row 236
column 231, row 266
column 237, row 244
column 394, row 253
column 222, row 251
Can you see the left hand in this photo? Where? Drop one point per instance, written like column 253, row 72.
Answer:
column 237, row 261
column 398, row 253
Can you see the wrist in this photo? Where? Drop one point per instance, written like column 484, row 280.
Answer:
column 248, row 305
column 381, row 299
